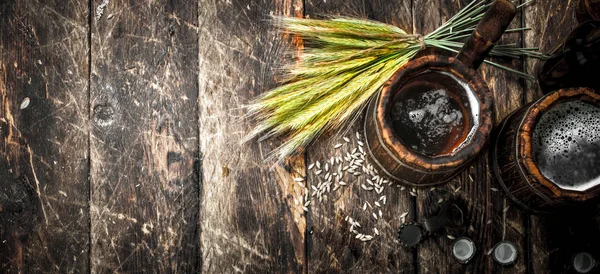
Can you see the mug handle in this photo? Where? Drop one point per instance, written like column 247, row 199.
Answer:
column 487, row 33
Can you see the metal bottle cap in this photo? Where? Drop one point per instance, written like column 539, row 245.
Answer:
column 410, row 235
column 505, row 253
column 583, row 262
column 463, row 249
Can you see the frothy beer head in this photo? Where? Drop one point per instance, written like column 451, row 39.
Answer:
column 566, row 145
column 435, row 113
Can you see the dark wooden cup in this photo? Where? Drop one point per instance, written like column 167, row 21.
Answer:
column 588, row 10
column 513, row 161
column 403, row 164
column 575, row 62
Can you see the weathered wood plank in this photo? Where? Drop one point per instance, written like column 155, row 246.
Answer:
column 144, row 141
column 332, row 246
column 509, row 222
column 486, row 222
column 250, row 222
column 549, row 28
column 44, row 189
column 553, row 239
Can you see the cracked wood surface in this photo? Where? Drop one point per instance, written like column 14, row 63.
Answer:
column 44, row 187
column 144, row 138
column 128, row 157
column 250, row 222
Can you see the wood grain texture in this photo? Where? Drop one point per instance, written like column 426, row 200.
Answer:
column 44, row 219
column 139, row 168
column 549, row 29
column 144, row 141
column 250, row 222
column 333, row 248
column 509, row 223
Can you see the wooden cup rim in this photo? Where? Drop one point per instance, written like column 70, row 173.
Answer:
column 444, row 162
column 525, row 135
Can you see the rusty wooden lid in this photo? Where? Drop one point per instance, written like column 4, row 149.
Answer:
column 452, row 161
column 524, row 148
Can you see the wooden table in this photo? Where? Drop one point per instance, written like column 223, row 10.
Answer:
column 127, row 158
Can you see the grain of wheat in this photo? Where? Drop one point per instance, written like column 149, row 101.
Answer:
column 25, row 103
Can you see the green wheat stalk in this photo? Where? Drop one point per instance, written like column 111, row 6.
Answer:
column 344, row 63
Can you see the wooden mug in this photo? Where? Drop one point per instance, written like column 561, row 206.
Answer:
column 524, row 169
column 588, row 10
column 399, row 160
column 575, row 62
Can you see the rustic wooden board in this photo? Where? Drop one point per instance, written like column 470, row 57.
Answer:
column 332, row 246
column 554, row 240
column 147, row 101
column 144, row 138
column 509, row 222
column 486, row 222
column 250, row 222
column 549, row 28
column 44, row 187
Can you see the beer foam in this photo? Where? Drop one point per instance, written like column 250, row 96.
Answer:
column 437, row 113
column 431, row 113
column 566, row 145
